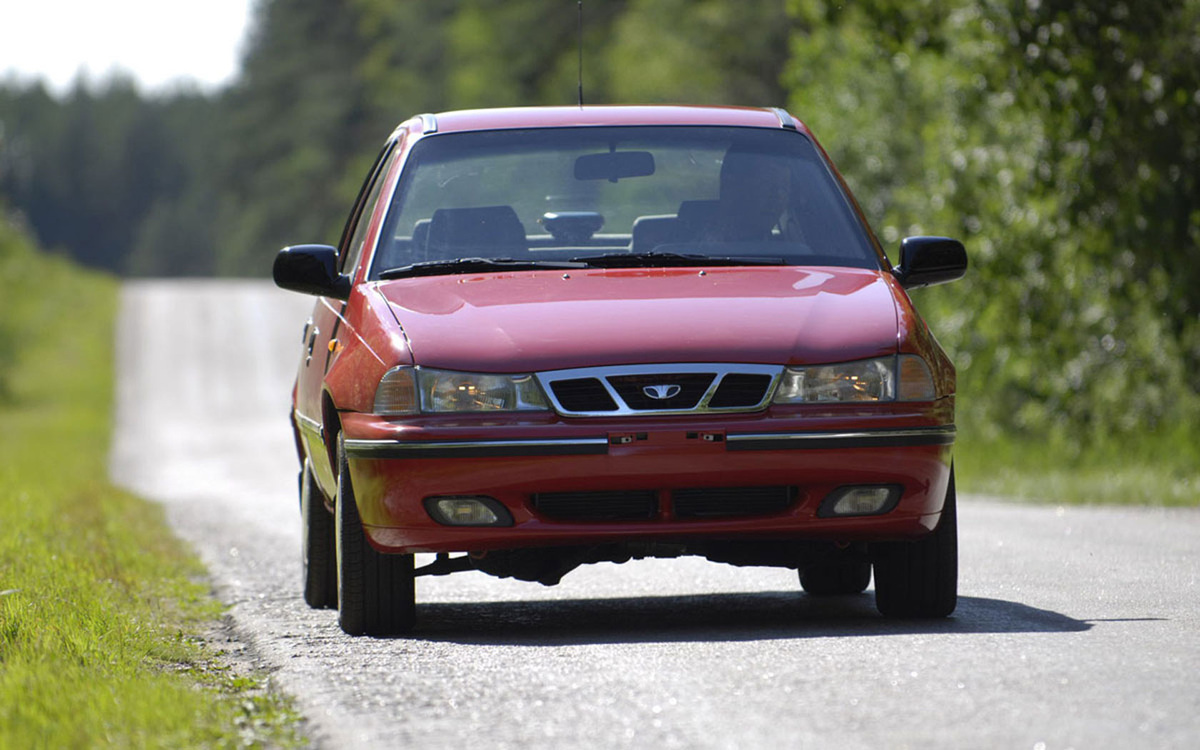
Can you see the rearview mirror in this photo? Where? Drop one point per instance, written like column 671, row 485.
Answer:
column 614, row 165
column 925, row 261
column 311, row 269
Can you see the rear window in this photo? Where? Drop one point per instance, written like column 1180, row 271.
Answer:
column 571, row 193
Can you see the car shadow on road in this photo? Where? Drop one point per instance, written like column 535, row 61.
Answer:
column 713, row 617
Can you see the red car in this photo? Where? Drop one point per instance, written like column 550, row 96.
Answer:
column 557, row 336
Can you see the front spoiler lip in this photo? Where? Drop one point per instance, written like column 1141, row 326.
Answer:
column 589, row 446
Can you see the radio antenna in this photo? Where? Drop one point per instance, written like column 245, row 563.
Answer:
column 580, row 54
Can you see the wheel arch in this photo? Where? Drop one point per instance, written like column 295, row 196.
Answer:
column 331, row 421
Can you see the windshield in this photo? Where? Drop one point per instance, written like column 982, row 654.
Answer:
column 613, row 197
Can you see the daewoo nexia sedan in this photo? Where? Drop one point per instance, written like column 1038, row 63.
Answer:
column 559, row 336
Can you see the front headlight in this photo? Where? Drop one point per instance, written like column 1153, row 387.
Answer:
column 412, row 390
column 864, row 380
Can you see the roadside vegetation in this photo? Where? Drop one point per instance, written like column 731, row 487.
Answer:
column 101, row 608
column 1059, row 139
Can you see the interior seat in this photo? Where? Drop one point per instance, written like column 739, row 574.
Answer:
column 487, row 231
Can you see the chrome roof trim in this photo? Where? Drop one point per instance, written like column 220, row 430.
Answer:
column 428, row 123
column 785, row 120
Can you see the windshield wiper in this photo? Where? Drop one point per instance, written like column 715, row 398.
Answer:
column 475, row 265
column 662, row 260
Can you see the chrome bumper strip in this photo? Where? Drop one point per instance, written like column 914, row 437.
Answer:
column 390, row 449
column 399, row 449
column 906, row 438
column 309, row 425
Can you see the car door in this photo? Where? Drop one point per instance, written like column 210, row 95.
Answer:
column 322, row 328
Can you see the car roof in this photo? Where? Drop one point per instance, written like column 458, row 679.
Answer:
column 557, row 117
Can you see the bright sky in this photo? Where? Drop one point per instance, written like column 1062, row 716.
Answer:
column 157, row 41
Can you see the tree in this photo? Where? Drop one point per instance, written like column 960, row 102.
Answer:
column 993, row 121
column 88, row 168
column 294, row 121
column 700, row 52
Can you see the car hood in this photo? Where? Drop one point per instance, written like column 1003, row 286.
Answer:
column 543, row 320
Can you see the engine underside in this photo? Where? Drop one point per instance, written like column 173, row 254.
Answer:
column 548, row 565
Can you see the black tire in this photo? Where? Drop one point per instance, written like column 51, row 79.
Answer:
column 318, row 553
column 836, row 579
column 375, row 592
column 920, row 579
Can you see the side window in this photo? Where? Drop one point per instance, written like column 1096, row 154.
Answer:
column 360, row 217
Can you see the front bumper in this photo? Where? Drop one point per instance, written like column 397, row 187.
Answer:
column 395, row 466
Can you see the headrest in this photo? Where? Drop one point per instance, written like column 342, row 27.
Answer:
column 463, row 231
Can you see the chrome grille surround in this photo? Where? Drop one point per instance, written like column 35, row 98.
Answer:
column 602, row 376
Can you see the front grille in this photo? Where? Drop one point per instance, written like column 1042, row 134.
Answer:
column 622, row 505
column 642, row 505
column 691, row 386
column 643, row 390
column 740, row 389
column 583, row 395
column 726, row 502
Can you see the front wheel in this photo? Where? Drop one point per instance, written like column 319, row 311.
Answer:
column 318, row 552
column 835, row 579
column 376, row 592
column 920, row 579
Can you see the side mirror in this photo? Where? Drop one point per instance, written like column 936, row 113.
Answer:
column 311, row 269
column 925, row 261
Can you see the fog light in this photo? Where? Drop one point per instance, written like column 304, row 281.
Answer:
column 468, row 510
column 864, row 500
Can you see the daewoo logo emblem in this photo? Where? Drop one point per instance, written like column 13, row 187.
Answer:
column 662, row 392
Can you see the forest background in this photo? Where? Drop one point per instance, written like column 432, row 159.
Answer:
column 1059, row 139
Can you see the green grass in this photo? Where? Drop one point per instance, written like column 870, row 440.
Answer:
column 1161, row 469
column 101, row 608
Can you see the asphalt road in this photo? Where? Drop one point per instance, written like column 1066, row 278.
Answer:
column 1076, row 627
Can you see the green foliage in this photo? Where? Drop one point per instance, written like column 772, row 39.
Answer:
column 994, row 122
column 405, row 64
column 87, row 169
column 99, row 603
column 16, row 256
column 294, row 124
column 511, row 51
column 699, row 52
